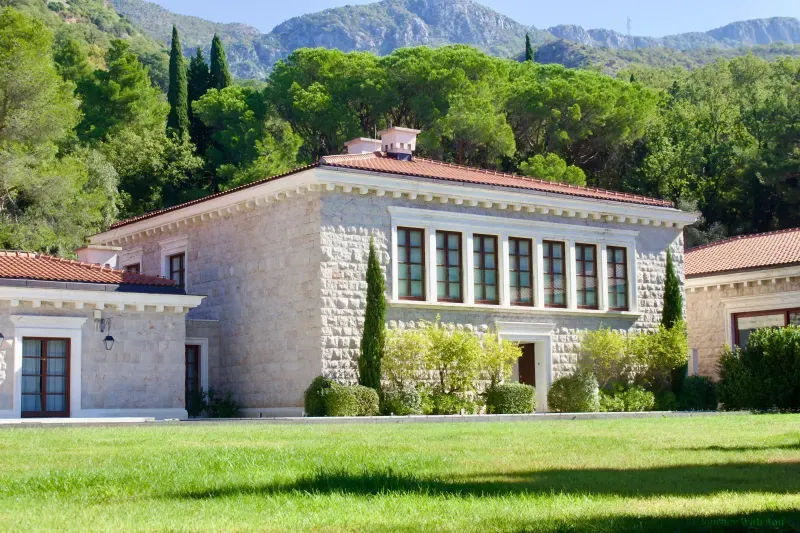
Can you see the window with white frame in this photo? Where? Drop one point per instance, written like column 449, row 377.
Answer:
column 174, row 255
column 131, row 260
column 458, row 259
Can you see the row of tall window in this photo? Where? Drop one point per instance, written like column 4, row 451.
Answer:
column 411, row 267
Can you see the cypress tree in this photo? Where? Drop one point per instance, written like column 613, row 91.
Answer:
column 528, row 48
column 373, row 336
column 673, row 301
column 633, row 78
column 178, row 118
column 220, row 75
column 199, row 80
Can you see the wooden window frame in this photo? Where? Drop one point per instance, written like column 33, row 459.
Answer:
column 133, row 268
column 482, row 266
column 581, row 277
column 548, row 262
column 43, row 375
column 515, row 298
column 198, row 371
column 612, row 276
column 181, row 270
column 447, row 266
column 748, row 314
column 408, row 249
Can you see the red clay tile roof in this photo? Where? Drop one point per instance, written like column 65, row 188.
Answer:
column 746, row 252
column 426, row 168
column 26, row 265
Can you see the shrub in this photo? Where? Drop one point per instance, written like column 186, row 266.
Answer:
column 511, row 398
column 367, row 399
column 373, row 342
column 498, row 358
column 196, row 403
column 765, row 374
column 637, row 399
column 314, row 403
column 403, row 358
column 402, row 402
column 439, row 403
column 222, row 407
column 454, row 357
column 610, row 403
column 659, row 353
column 578, row 393
column 698, row 394
column 666, row 401
column 606, row 354
column 340, row 401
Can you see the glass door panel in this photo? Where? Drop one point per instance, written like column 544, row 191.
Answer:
column 45, row 377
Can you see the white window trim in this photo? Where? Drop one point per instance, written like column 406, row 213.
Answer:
column 746, row 304
column 202, row 342
column 49, row 327
column 130, row 257
column 172, row 247
column 432, row 221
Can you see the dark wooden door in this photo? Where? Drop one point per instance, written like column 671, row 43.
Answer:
column 192, row 372
column 45, row 377
column 527, row 365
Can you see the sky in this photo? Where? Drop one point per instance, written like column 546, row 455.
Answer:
column 663, row 18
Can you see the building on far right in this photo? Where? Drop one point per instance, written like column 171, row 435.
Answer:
column 736, row 286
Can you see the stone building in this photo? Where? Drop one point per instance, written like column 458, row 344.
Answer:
column 738, row 285
column 83, row 340
column 282, row 264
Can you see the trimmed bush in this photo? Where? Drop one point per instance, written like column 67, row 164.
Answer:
column 367, row 399
column 578, row 393
column 314, row 403
column 698, row 393
column 666, row 401
column 439, row 403
column 610, row 403
column 402, row 402
column 340, row 401
column 637, row 399
column 764, row 375
column 511, row 398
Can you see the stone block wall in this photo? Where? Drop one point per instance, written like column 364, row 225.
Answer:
column 350, row 220
column 706, row 318
column 260, row 272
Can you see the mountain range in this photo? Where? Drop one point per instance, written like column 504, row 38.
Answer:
column 384, row 26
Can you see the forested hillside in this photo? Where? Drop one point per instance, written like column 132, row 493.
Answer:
column 86, row 137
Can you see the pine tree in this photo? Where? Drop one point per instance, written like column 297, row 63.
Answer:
column 220, row 75
column 199, row 81
column 528, row 48
column 372, row 339
column 673, row 301
column 633, row 78
column 178, row 118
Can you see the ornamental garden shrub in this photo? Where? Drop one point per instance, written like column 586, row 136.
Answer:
column 340, row 400
column 402, row 402
column 367, row 400
column 578, row 393
column 698, row 393
column 444, row 403
column 511, row 398
column 609, row 403
column 764, row 375
column 629, row 399
column 314, row 403
column 221, row 406
column 666, row 401
column 607, row 354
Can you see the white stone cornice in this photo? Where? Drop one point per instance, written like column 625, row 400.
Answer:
column 364, row 182
column 98, row 299
column 758, row 277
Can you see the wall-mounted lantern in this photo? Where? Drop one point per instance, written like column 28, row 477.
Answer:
column 109, row 342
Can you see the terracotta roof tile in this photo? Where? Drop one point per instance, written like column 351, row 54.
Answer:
column 426, row 168
column 27, row 265
column 746, row 252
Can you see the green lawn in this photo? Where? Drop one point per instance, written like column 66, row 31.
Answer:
column 704, row 473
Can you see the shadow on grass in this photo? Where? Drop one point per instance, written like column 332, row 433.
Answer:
column 681, row 480
column 716, row 448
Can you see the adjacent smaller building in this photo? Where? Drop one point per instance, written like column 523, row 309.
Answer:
column 84, row 340
column 738, row 285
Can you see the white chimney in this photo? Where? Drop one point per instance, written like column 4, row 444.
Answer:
column 363, row 145
column 99, row 255
column 399, row 143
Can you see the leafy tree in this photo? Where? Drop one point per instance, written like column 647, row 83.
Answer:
column 71, row 60
column 528, row 48
column 672, row 313
column 373, row 336
column 220, row 75
column 178, row 118
column 499, row 356
column 552, row 168
column 199, row 81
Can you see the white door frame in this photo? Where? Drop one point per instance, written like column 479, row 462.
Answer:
column 540, row 335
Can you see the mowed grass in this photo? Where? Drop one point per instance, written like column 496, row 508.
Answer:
column 689, row 474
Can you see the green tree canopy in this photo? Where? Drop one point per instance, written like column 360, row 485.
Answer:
column 178, row 118
column 220, row 74
column 552, row 168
